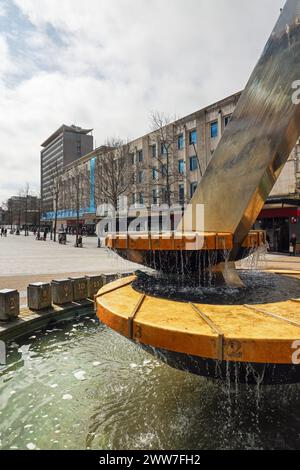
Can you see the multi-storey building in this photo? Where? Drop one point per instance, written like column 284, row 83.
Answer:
column 23, row 211
column 66, row 145
column 166, row 166
column 2, row 216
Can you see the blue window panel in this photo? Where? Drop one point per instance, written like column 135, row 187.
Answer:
column 181, row 166
column 193, row 137
column 180, row 142
column 193, row 188
column 214, row 129
column 193, row 163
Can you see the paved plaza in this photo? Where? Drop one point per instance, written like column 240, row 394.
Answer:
column 24, row 260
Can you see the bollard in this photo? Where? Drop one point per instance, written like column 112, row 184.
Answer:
column 39, row 296
column 9, row 304
column 80, row 288
column 94, row 285
column 62, row 291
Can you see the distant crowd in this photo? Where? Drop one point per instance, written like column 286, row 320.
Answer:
column 42, row 233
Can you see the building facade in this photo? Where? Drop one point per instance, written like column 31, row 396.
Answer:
column 2, row 216
column 23, row 211
column 66, row 145
column 166, row 166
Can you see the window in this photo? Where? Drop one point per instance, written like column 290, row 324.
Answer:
column 193, row 188
column 214, row 129
column 140, row 156
column 180, row 142
column 164, row 170
column 154, row 196
column 141, row 177
column 227, row 120
column 164, row 149
column 153, row 151
column 181, row 166
column 193, row 137
column 142, row 198
column 164, row 196
column 193, row 163
column 133, row 198
column 181, row 194
column 154, row 174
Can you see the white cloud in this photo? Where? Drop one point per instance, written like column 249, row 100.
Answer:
column 108, row 64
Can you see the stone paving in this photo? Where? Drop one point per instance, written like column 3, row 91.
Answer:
column 24, row 260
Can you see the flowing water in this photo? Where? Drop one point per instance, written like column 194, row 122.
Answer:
column 260, row 287
column 79, row 385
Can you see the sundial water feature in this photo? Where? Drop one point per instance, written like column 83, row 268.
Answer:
column 84, row 384
column 250, row 334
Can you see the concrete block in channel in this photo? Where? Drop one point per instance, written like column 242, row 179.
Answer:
column 80, row 288
column 62, row 291
column 39, row 296
column 94, row 285
column 9, row 304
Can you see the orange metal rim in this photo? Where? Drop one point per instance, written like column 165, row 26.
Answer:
column 188, row 242
column 239, row 333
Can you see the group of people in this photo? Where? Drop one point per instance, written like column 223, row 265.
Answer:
column 37, row 234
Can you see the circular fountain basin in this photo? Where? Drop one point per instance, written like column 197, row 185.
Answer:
column 241, row 341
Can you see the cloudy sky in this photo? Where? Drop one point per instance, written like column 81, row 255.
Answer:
column 107, row 63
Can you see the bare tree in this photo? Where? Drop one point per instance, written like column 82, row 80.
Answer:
column 26, row 192
column 56, row 190
column 113, row 173
column 165, row 165
column 7, row 213
column 77, row 184
column 165, row 137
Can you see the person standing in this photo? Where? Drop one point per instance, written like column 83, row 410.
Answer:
column 293, row 245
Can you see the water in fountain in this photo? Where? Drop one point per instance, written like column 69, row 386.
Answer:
column 259, row 288
column 79, row 385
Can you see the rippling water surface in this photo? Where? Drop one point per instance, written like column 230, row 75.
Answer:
column 78, row 385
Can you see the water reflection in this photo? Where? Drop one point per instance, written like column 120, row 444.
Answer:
column 80, row 386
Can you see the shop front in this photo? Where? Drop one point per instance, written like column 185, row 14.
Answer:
column 280, row 223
